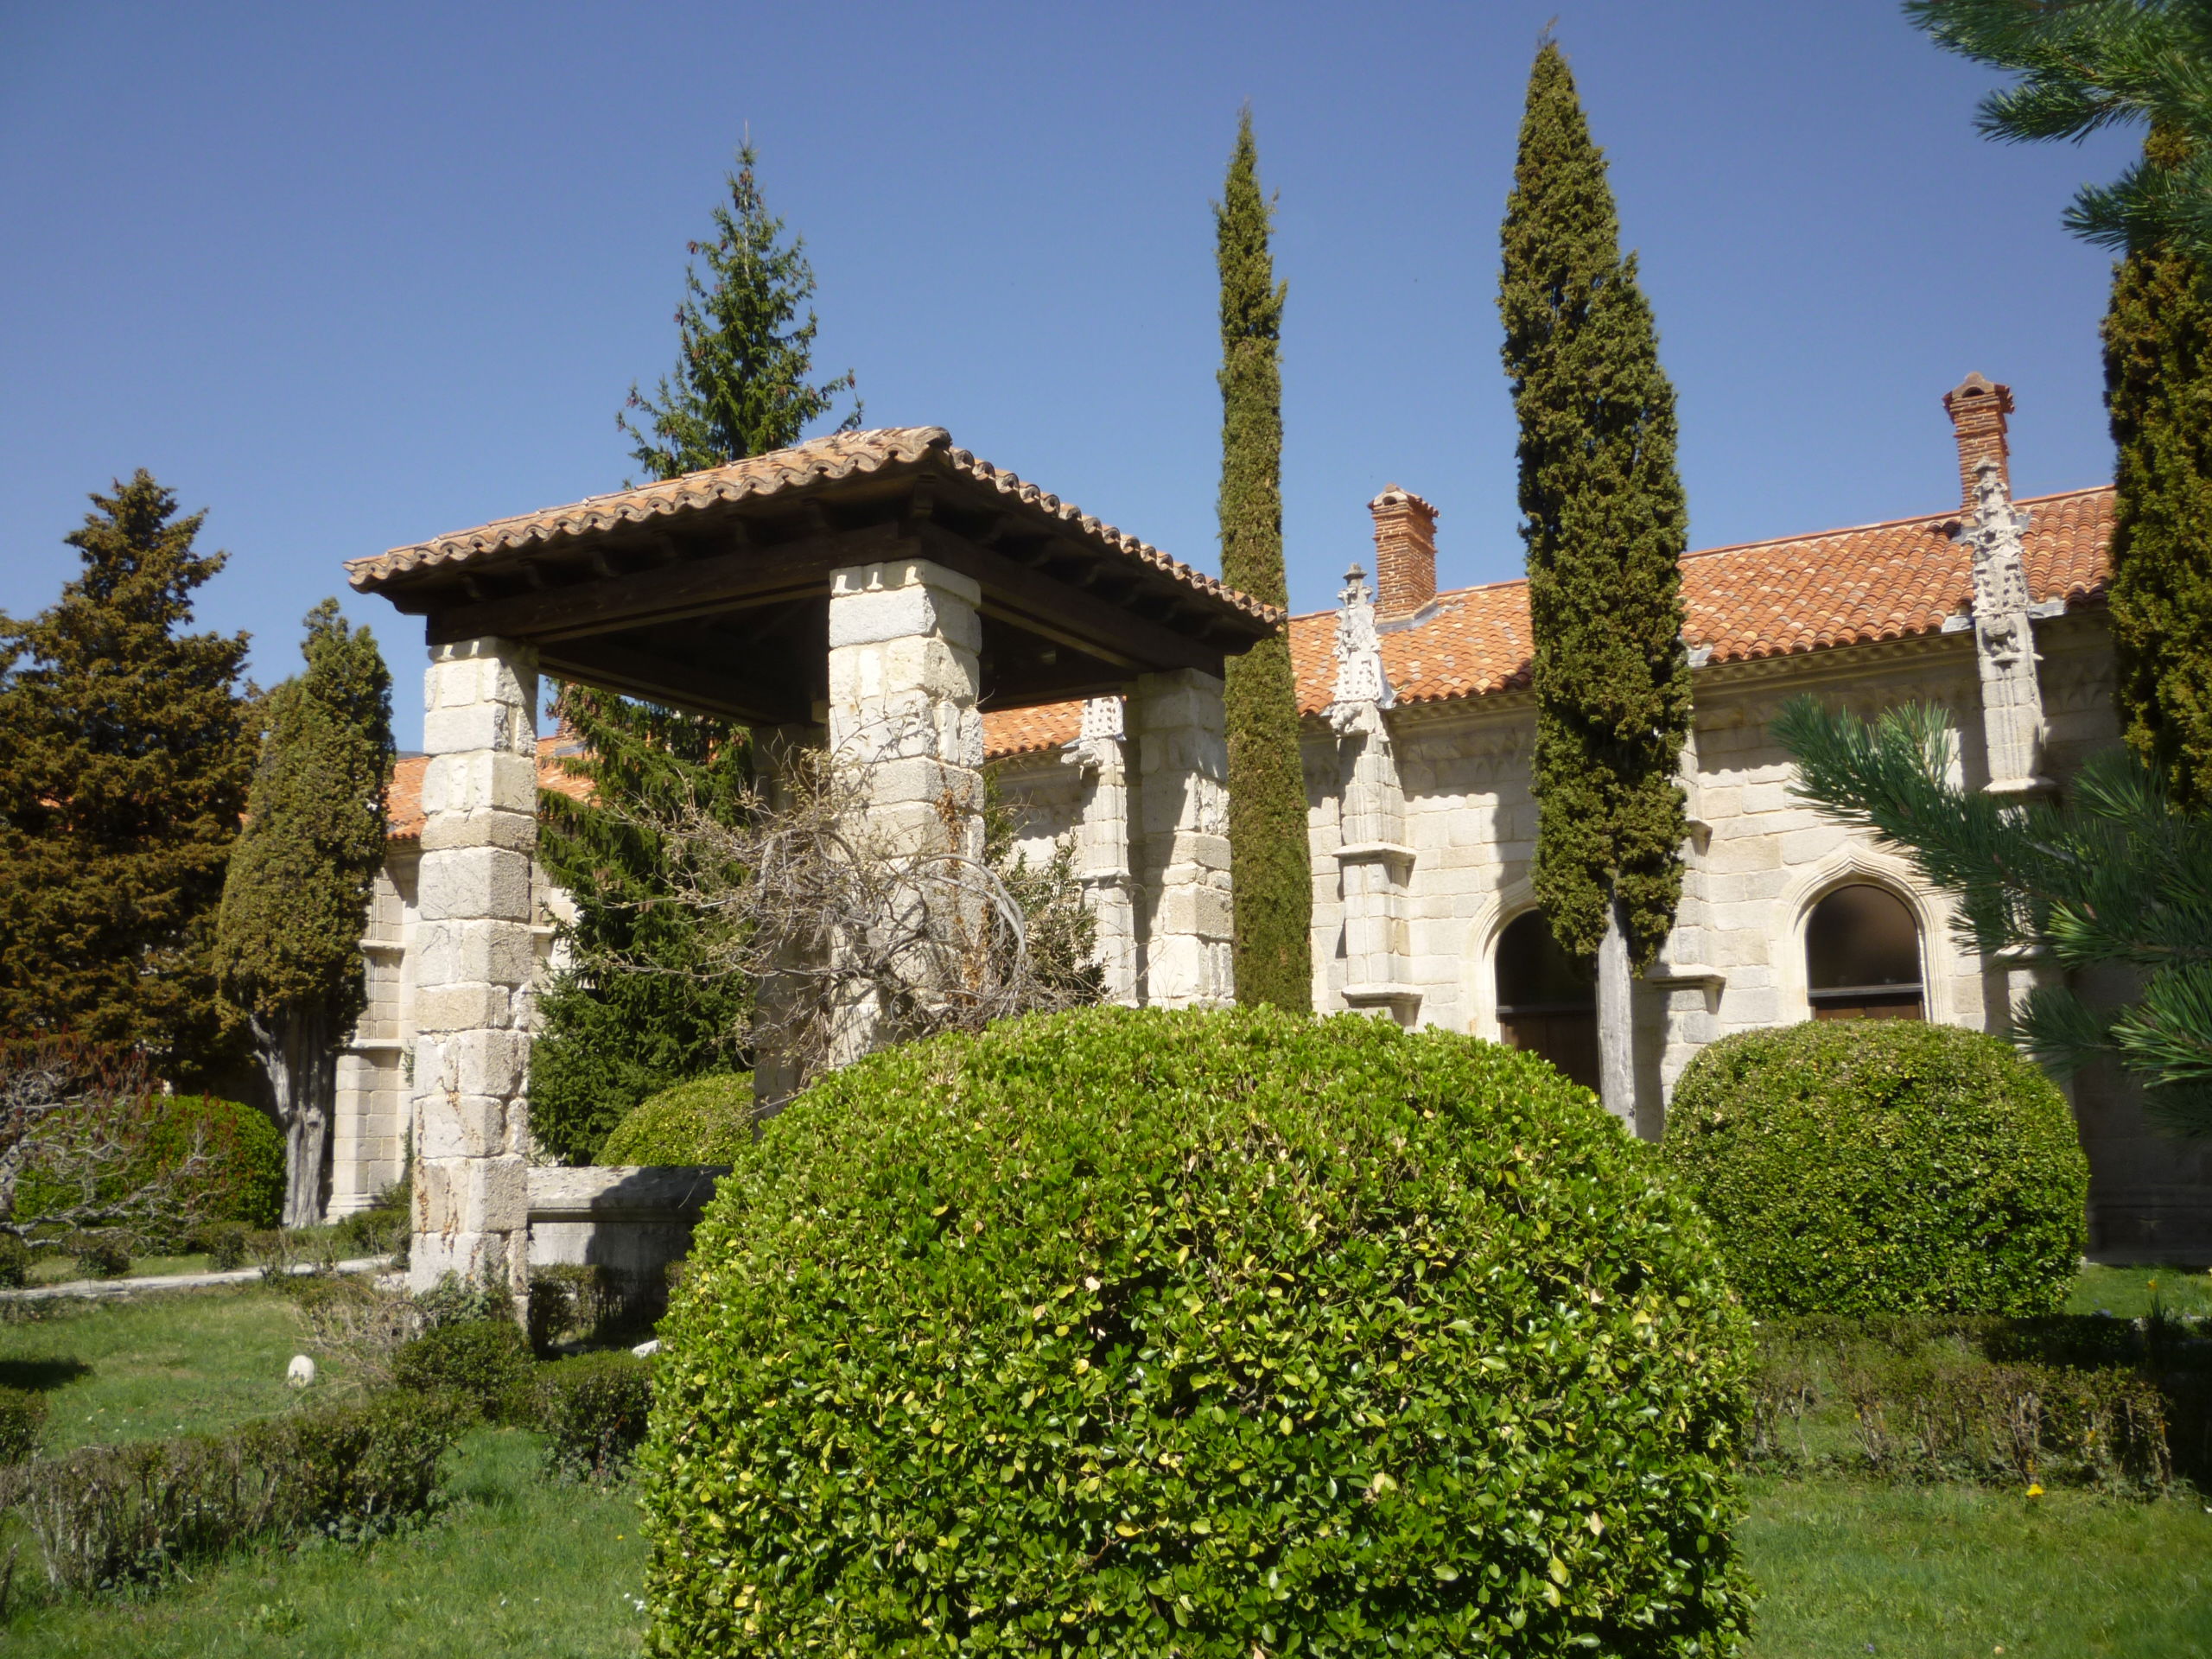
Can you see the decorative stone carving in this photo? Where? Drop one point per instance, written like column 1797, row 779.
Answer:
column 1374, row 863
column 1099, row 754
column 2004, row 636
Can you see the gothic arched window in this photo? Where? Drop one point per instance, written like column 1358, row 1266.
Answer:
column 1862, row 957
column 1547, row 1000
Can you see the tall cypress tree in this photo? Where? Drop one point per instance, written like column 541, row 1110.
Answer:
column 296, row 900
column 2157, row 338
column 611, row 1036
column 124, row 763
column 1605, row 524
column 1267, row 781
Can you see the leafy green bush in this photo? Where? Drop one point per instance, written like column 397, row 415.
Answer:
column 106, row 1516
column 592, row 1411
column 486, row 1360
column 1138, row 1331
column 23, row 1415
column 101, row 1256
column 14, row 1263
column 1882, row 1166
column 241, row 1179
column 571, row 1300
column 227, row 1243
column 702, row 1121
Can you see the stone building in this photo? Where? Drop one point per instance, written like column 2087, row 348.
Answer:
column 1418, row 725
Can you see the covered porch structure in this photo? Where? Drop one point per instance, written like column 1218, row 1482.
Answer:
column 871, row 593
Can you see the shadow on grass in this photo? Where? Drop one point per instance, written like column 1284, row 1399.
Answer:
column 37, row 1375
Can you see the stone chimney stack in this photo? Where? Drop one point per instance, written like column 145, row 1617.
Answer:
column 1404, row 553
column 1977, row 408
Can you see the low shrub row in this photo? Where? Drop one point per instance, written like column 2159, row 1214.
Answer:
column 23, row 1415
column 105, row 1518
column 1994, row 1401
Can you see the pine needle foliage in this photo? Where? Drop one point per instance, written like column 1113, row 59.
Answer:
column 2088, row 65
column 126, row 761
column 1605, row 524
column 2157, row 338
column 740, row 386
column 2115, row 876
column 1267, row 779
column 296, row 902
column 632, row 1012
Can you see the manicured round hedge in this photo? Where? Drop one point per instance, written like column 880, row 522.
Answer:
column 702, row 1121
column 1141, row 1333
column 1882, row 1166
column 241, row 1179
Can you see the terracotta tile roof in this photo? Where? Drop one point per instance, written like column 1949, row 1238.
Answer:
column 840, row 456
column 403, row 798
column 1799, row 594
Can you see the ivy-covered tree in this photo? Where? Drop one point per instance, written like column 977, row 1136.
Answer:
column 296, row 904
column 125, row 758
column 1605, row 524
column 2157, row 337
column 629, row 1013
column 2115, row 875
column 2086, row 65
column 741, row 384
column 1267, row 782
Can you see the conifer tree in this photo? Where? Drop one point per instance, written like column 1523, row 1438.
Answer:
column 1267, row 782
column 740, row 386
column 612, row 1034
column 124, row 764
column 1605, row 524
column 295, row 903
column 2157, row 337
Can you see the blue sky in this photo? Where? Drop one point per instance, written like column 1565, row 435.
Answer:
column 349, row 276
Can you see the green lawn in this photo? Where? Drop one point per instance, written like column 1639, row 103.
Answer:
column 514, row 1564
column 1850, row 1567
column 177, row 1362
column 2128, row 1292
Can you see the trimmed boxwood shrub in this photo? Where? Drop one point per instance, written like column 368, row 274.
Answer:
column 1141, row 1333
column 1882, row 1166
column 241, row 1181
column 485, row 1360
column 702, row 1121
column 592, row 1410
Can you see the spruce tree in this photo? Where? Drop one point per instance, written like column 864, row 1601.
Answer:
column 295, row 903
column 1605, row 524
column 124, row 764
column 1267, row 781
column 739, row 387
column 610, row 1036
column 627, row 1015
column 2157, row 338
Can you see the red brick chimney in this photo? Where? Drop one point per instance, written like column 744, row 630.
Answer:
column 1977, row 408
column 1404, row 553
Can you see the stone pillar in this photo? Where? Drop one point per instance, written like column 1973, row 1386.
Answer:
column 1102, row 844
column 475, row 958
column 1181, row 839
column 904, row 682
column 1374, row 863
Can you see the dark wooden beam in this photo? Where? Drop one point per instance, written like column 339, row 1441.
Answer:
column 697, row 588
column 1068, row 615
column 635, row 671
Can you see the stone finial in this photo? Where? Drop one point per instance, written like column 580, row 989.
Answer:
column 1102, row 724
column 1978, row 408
column 1362, row 684
column 2004, row 636
column 1405, row 552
